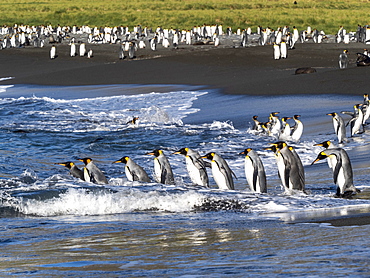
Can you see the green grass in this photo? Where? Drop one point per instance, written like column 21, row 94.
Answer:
column 184, row 14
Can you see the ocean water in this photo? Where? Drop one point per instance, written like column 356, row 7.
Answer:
column 52, row 224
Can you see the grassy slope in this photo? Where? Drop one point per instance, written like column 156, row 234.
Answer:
column 320, row 14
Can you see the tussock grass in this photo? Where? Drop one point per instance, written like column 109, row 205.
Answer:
column 184, row 14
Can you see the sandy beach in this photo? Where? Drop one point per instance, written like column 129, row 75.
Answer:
column 234, row 70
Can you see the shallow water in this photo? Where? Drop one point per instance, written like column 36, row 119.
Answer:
column 53, row 224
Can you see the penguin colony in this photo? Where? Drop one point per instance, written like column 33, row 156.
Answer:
column 130, row 41
column 289, row 164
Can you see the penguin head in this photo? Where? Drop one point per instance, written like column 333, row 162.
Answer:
column 272, row 148
column 255, row 117
column 85, row 160
column 183, row 151
column 295, row 117
column 324, row 144
column 246, row 151
column 67, row 164
column 156, row 153
column 284, row 119
column 124, row 159
column 321, row 156
column 279, row 145
column 332, row 114
column 209, row 156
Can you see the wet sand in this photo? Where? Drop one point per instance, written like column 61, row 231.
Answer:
column 234, row 70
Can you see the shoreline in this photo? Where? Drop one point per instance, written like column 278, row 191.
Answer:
column 233, row 70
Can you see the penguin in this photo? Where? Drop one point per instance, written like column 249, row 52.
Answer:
column 196, row 166
column 276, row 51
column 283, row 50
column 343, row 60
column 297, row 129
column 53, row 52
column 339, row 127
column 90, row 54
column 133, row 171
column 134, row 121
column 342, row 170
column 73, row 169
column 290, row 166
column 256, row 124
column 222, row 173
column 82, row 49
column 153, row 43
column 365, row 110
column 95, row 174
column 254, row 171
column 121, row 51
column 131, row 50
column 285, row 130
column 275, row 123
column 73, row 50
column 327, row 145
column 162, row 168
column 356, row 121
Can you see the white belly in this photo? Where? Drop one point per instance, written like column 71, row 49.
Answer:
column 219, row 178
column 128, row 174
column 193, row 172
column 157, row 170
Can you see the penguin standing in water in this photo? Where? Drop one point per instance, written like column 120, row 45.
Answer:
column 297, row 129
column 339, row 127
column 53, row 52
column 256, row 124
column 343, row 60
column 357, row 119
column 196, row 166
column 222, row 173
column 254, row 171
column 275, row 126
column 133, row 171
column 290, row 166
column 94, row 173
column 365, row 110
column 162, row 168
column 73, row 169
column 285, row 131
column 342, row 170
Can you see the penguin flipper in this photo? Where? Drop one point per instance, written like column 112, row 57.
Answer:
column 336, row 170
column 255, row 175
column 163, row 176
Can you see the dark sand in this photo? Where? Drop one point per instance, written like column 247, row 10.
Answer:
column 249, row 70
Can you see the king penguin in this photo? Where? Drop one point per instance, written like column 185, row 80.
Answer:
column 53, row 52
column 73, row 50
column 95, row 174
column 343, row 60
column 356, row 121
column 162, row 168
column 339, row 127
column 195, row 166
column 290, row 166
column 73, row 169
column 342, row 170
column 254, row 171
column 327, row 145
column 297, row 129
column 133, row 171
column 222, row 173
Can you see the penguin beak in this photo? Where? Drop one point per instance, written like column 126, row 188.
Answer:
column 317, row 159
column 243, row 152
column 319, row 144
column 177, row 152
column 118, row 161
column 151, row 153
column 63, row 164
